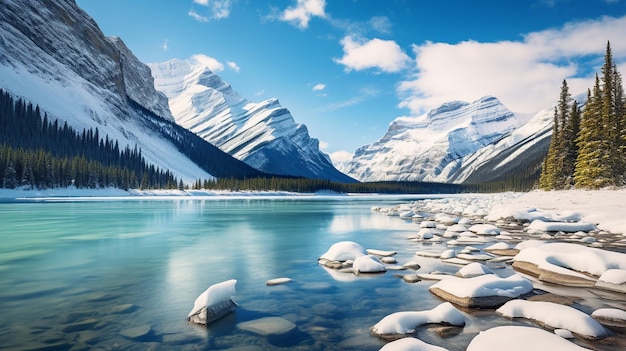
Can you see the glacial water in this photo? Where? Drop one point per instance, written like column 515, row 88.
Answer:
column 122, row 274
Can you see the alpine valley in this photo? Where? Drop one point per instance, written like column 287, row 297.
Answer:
column 186, row 119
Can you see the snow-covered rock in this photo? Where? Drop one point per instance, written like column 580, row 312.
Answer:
column 473, row 270
column 344, row 251
column 539, row 226
column 263, row 135
column 410, row 344
column 483, row 291
column 518, row 338
column 406, row 322
column 568, row 264
column 214, row 303
column 613, row 279
column 555, row 316
column 368, row 264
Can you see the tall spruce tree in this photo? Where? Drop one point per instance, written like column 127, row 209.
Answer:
column 555, row 174
column 570, row 147
column 591, row 167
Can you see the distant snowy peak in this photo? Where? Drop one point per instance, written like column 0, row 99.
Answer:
column 421, row 148
column 263, row 134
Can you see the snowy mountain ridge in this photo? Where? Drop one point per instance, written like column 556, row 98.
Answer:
column 263, row 134
column 429, row 147
column 54, row 55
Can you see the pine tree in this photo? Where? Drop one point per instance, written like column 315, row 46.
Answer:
column 591, row 167
column 546, row 179
column 555, row 173
column 570, row 132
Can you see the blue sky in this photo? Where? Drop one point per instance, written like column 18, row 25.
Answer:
column 347, row 68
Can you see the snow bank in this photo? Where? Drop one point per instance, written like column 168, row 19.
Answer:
column 555, row 316
column 411, row 344
column 406, row 322
column 605, row 207
column 518, row 338
column 473, row 270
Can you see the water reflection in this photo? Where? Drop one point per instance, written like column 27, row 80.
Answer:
column 81, row 274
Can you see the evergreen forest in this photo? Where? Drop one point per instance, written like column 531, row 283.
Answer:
column 36, row 152
column 588, row 149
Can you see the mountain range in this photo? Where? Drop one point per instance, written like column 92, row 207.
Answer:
column 264, row 135
column 185, row 118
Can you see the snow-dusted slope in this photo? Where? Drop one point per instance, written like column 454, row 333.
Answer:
column 54, row 55
column 264, row 134
column 430, row 147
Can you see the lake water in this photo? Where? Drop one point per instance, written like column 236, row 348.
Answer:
column 80, row 274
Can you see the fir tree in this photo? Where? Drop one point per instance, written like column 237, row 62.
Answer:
column 570, row 147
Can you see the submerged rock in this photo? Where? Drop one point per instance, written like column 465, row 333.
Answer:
column 267, row 326
column 136, row 333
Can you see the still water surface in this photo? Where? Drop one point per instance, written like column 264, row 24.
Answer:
column 78, row 274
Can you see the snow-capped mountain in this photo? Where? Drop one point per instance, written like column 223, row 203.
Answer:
column 432, row 147
column 264, row 134
column 54, row 55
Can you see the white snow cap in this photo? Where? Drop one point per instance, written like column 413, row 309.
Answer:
column 214, row 294
column 344, row 251
column 554, row 316
column 406, row 322
column 518, row 338
column 410, row 344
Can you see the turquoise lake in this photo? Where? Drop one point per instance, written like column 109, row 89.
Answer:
column 77, row 274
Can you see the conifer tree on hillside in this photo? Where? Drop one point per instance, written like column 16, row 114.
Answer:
column 592, row 164
column 554, row 173
column 570, row 147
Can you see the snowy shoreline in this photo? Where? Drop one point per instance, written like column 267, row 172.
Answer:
column 605, row 208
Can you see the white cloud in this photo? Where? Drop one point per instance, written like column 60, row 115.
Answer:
column 525, row 75
column 165, row 45
column 233, row 65
column 340, row 156
column 219, row 9
column 301, row 14
column 209, row 62
column 380, row 24
column 323, row 145
column 198, row 17
column 384, row 55
column 319, row 87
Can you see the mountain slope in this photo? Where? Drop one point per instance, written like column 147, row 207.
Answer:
column 429, row 147
column 264, row 135
column 54, row 55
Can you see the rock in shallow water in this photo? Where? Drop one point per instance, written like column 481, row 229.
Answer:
column 267, row 326
column 136, row 333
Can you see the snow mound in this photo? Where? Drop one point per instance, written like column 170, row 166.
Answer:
column 368, row 264
column 344, row 251
column 406, row 322
column 410, row 344
column 518, row 338
column 555, row 316
column 473, row 270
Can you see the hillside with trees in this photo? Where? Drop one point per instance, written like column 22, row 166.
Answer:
column 588, row 149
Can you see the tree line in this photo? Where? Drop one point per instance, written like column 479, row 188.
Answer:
column 37, row 152
column 588, row 148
